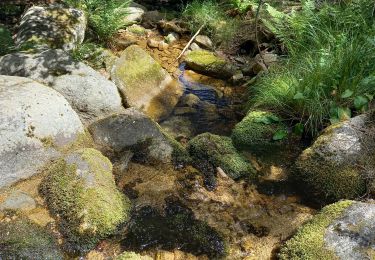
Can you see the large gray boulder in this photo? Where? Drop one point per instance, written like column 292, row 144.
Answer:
column 35, row 121
column 90, row 94
column 53, row 26
column 144, row 84
column 136, row 132
column 344, row 230
column 340, row 162
column 134, row 15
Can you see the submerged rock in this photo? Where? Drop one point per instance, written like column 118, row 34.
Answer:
column 81, row 191
column 344, row 230
column 256, row 131
column 89, row 93
column 340, row 162
column 52, row 26
column 145, row 84
column 35, row 122
column 210, row 64
column 22, row 239
column 219, row 151
column 133, row 130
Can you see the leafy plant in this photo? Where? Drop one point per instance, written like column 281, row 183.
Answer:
column 6, row 41
column 105, row 17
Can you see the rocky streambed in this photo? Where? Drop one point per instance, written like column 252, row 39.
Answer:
column 150, row 157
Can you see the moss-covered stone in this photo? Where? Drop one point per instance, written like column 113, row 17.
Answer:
column 339, row 164
column 256, row 131
column 144, row 84
column 209, row 63
column 309, row 243
column 81, row 191
column 220, row 152
column 22, row 239
column 52, row 26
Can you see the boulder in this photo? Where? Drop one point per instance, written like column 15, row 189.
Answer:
column 80, row 190
column 35, row 122
column 145, row 84
column 204, row 41
column 132, row 130
column 88, row 92
column 256, row 131
column 219, row 151
column 340, row 161
column 22, row 239
column 208, row 63
column 344, row 230
column 53, row 26
column 133, row 15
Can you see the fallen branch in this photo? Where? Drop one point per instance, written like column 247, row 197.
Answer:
column 189, row 43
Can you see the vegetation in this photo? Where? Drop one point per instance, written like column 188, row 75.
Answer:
column 105, row 17
column 211, row 14
column 308, row 243
column 6, row 41
column 329, row 73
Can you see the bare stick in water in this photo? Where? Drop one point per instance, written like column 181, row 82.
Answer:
column 189, row 43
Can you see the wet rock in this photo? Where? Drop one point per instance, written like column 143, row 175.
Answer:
column 177, row 229
column 210, row 64
column 22, row 239
column 133, row 15
column 344, row 230
column 152, row 43
column 190, row 100
column 52, row 26
column 219, row 151
column 80, row 190
column 35, row 121
column 340, row 161
column 256, row 131
column 162, row 46
column 204, row 41
column 88, row 92
column 18, row 200
column 178, row 126
column 132, row 130
column 145, row 84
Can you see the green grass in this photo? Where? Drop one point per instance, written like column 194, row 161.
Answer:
column 329, row 74
column 211, row 14
column 105, row 17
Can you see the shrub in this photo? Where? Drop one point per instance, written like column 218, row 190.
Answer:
column 105, row 17
column 6, row 41
column 329, row 73
column 209, row 13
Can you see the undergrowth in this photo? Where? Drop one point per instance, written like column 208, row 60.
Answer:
column 105, row 17
column 329, row 73
column 220, row 27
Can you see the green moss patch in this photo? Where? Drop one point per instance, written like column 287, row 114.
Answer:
column 80, row 189
column 22, row 239
column 308, row 243
column 220, row 152
column 256, row 131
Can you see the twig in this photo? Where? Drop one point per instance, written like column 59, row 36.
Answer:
column 191, row 40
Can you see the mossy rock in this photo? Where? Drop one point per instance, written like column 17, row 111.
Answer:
column 339, row 163
column 343, row 230
column 220, row 152
column 256, row 131
column 210, row 64
column 53, row 26
column 6, row 41
column 22, row 239
column 144, row 84
column 81, row 191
